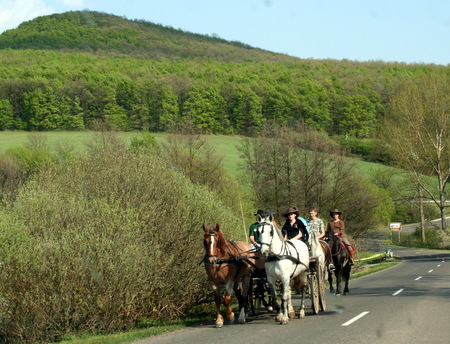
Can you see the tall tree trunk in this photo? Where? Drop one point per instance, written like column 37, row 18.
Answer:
column 422, row 216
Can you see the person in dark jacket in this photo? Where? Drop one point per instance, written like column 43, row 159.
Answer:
column 294, row 228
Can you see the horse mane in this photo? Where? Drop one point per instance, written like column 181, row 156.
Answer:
column 222, row 241
column 278, row 231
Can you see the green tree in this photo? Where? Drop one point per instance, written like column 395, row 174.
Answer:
column 6, row 114
column 417, row 133
column 114, row 114
column 203, row 108
column 167, row 109
column 355, row 116
column 246, row 111
column 42, row 109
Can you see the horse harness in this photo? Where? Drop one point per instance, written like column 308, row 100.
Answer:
column 233, row 259
column 285, row 253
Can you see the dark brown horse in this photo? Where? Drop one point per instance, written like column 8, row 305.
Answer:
column 224, row 264
column 341, row 261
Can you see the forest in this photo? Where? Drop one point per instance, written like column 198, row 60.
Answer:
column 74, row 70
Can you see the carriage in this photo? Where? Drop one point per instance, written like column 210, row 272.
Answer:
column 260, row 290
column 249, row 274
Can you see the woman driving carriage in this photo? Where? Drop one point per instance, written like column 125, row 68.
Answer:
column 294, row 228
column 337, row 227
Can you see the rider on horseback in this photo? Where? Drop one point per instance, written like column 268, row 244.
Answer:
column 337, row 227
column 317, row 227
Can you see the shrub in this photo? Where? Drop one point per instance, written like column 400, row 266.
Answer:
column 99, row 242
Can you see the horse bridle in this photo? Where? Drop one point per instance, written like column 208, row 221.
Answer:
column 271, row 233
column 207, row 256
column 218, row 260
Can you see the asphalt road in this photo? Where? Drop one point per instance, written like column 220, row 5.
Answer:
column 408, row 303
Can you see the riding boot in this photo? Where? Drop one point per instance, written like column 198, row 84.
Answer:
column 351, row 254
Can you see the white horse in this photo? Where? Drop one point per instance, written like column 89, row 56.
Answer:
column 285, row 260
column 317, row 251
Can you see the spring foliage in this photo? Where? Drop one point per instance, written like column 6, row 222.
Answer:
column 98, row 242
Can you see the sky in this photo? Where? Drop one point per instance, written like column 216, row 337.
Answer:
column 410, row 31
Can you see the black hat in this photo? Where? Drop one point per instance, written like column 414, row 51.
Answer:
column 261, row 212
column 270, row 212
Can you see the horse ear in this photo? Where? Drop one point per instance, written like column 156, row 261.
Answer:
column 271, row 217
column 217, row 227
column 205, row 228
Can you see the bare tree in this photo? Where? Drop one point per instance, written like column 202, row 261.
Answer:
column 298, row 166
column 417, row 134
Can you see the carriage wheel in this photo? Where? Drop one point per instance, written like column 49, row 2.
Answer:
column 322, row 287
column 314, row 292
column 257, row 295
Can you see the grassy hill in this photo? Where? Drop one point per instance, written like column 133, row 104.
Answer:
column 104, row 34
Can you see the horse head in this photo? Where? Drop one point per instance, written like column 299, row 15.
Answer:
column 214, row 243
column 268, row 232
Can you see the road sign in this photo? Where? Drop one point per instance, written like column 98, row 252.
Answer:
column 395, row 226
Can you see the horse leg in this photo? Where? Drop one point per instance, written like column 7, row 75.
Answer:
column 330, row 280
column 346, row 275
column 273, row 297
column 285, row 295
column 243, row 299
column 227, row 300
column 217, row 300
column 338, row 272
column 291, row 311
column 304, row 283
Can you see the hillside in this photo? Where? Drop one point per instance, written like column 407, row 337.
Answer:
column 76, row 70
column 106, row 35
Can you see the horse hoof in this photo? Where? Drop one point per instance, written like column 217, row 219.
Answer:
column 270, row 309
column 241, row 321
column 278, row 318
column 219, row 325
column 284, row 322
column 301, row 315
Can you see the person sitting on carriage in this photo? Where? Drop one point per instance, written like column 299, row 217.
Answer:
column 294, row 228
column 337, row 228
column 317, row 228
column 253, row 230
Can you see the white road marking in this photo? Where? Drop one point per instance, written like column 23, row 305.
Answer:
column 418, row 278
column 430, row 271
column 398, row 292
column 351, row 321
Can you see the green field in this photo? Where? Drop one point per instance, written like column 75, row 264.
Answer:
column 225, row 145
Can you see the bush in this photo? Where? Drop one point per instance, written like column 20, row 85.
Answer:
column 96, row 243
column 435, row 238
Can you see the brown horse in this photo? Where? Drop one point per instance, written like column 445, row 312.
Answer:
column 224, row 264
